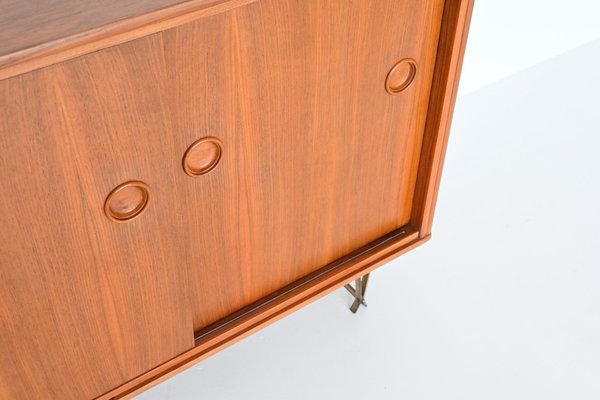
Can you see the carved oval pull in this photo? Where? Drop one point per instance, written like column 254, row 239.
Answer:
column 202, row 156
column 127, row 201
column 401, row 76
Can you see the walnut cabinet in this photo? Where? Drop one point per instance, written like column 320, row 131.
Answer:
column 176, row 175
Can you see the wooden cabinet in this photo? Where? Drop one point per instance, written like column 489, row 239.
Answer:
column 176, row 176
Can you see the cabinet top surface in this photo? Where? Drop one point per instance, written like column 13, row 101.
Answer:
column 28, row 26
column 28, row 23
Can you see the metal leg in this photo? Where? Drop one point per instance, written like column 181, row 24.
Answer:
column 358, row 292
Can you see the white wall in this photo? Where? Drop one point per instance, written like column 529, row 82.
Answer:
column 510, row 35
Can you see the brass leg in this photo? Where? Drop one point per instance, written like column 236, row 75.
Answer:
column 358, row 292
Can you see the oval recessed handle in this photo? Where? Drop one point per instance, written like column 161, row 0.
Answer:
column 401, row 76
column 202, row 156
column 127, row 201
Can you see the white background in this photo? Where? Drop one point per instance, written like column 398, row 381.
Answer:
column 504, row 302
column 508, row 36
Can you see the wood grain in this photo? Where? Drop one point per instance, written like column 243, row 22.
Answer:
column 85, row 303
column 318, row 158
column 36, row 34
column 328, row 164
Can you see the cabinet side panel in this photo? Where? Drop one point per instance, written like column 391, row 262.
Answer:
column 453, row 39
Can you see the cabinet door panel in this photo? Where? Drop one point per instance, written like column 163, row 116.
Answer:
column 319, row 159
column 87, row 303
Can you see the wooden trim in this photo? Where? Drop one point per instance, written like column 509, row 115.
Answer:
column 451, row 48
column 269, row 310
column 112, row 34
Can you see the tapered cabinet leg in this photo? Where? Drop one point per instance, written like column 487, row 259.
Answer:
column 358, row 292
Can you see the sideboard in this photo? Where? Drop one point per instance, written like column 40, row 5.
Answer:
column 177, row 174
